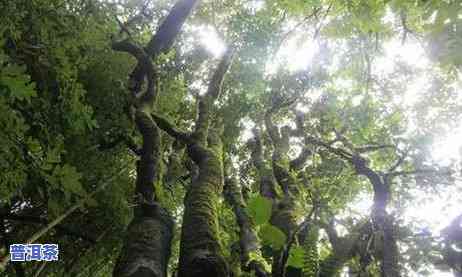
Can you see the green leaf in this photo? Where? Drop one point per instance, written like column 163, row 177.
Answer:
column 296, row 257
column 259, row 208
column 272, row 236
column 69, row 179
column 18, row 83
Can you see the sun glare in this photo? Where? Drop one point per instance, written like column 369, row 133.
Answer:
column 254, row 5
column 449, row 148
column 411, row 52
column 210, row 39
column 296, row 54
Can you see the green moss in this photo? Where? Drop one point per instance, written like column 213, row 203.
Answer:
column 200, row 252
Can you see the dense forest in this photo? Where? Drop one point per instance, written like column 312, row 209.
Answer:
column 283, row 138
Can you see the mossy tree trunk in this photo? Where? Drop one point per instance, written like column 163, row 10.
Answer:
column 200, row 252
column 146, row 248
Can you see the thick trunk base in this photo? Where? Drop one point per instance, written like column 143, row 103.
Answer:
column 147, row 247
column 204, row 263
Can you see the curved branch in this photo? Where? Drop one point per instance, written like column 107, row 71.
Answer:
column 163, row 39
column 170, row 129
column 145, row 69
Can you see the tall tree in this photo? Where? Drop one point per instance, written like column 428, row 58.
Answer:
column 146, row 249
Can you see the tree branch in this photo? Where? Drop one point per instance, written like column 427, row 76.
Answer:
column 399, row 161
column 418, row 171
column 216, row 82
column 163, row 39
column 170, row 129
column 128, row 46
column 103, row 146
column 213, row 92
column 277, row 104
column 144, row 69
column 337, row 151
column 170, row 27
column 290, row 32
column 272, row 129
column 371, row 148
column 300, row 228
column 299, row 131
column 248, row 241
column 331, row 232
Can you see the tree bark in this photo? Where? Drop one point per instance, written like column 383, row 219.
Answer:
column 146, row 249
column 200, row 253
column 248, row 240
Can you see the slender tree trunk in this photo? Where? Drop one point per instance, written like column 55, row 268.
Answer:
column 389, row 264
column 248, row 240
column 284, row 216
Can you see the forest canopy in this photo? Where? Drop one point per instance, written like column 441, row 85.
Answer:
column 188, row 138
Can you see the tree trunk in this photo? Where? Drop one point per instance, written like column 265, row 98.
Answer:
column 200, row 253
column 146, row 249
